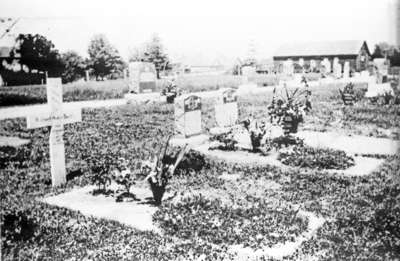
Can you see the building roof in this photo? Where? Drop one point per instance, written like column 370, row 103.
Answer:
column 320, row 48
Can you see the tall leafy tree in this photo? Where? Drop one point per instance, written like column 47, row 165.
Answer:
column 39, row 53
column 392, row 53
column 377, row 52
column 74, row 66
column 104, row 58
column 153, row 51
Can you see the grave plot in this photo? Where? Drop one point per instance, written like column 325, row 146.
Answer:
column 278, row 142
column 298, row 214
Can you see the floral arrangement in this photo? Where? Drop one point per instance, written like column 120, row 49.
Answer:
column 288, row 110
column 171, row 91
column 125, row 176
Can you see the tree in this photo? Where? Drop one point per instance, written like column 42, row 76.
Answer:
column 74, row 66
column 36, row 52
column 104, row 58
column 377, row 52
column 153, row 51
column 391, row 52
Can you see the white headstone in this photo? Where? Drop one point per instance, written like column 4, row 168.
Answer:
column 226, row 108
column 288, row 67
column 247, row 73
column 87, row 75
column 313, row 64
column 142, row 77
column 56, row 117
column 125, row 73
column 375, row 90
column 301, row 62
column 327, row 64
column 187, row 116
column 338, row 70
column 346, row 70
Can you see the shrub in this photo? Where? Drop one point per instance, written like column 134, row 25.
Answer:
column 308, row 157
column 17, row 226
column 101, row 166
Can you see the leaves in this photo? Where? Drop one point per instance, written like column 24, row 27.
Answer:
column 214, row 222
column 316, row 158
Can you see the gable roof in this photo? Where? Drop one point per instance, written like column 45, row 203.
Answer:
column 320, row 48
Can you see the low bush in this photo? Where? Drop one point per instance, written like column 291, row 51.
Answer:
column 316, row 158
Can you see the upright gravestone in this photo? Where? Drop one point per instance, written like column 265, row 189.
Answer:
column 187, row 116
column 248, row 73
column 288, row 67
column 226, row 109
column 346, row 70
column 382, row 66
column 338, row 70
column 87, row 75
column 327, row 65
column 56, row 117
column 313, row 65
column 125, row 73
column 142, row 77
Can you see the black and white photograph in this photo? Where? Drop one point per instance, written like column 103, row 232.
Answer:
column 241, row 130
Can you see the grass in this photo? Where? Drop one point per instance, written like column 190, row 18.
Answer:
column 114, row 89
column 111, row 89
column 362, row 212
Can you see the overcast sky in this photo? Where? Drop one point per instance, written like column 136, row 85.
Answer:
column 202, row 30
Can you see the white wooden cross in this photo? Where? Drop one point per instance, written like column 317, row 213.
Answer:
column 55, row 117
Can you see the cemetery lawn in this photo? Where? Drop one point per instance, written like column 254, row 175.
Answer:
column 109, row 89
column 215, row 207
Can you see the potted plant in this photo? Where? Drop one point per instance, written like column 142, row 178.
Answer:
column 288, row 111
column 100, row 167
column 170, row 91
column 159, row 173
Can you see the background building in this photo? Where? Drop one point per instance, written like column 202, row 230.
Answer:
column 355, row 52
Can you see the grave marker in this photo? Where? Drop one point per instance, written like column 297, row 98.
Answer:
column 346, row 70
column 313, row 64
column 188, row 116
column 327, row 64
column 338, row 70
column 56, row 117
column 142, row 77
column 288, row 67
column 226, row 109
